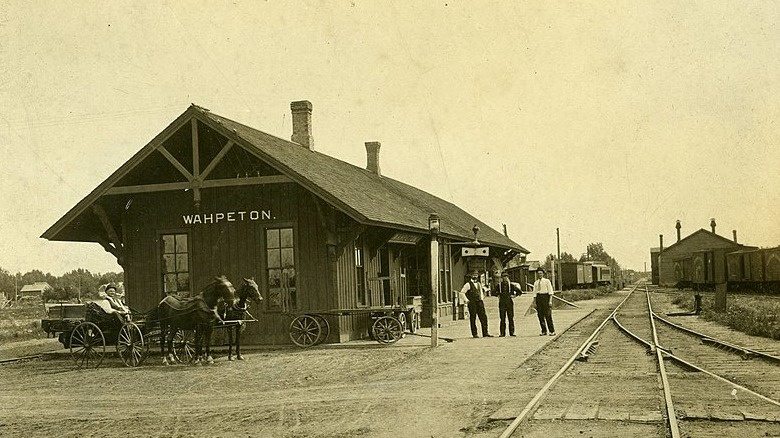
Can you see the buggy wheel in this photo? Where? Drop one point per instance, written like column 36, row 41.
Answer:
column 130, row 345
column 387, row 329
column 324, row 329
column 184, row 345
column 87, row 345
column 305, row 331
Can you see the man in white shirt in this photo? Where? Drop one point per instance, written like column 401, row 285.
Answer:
column 475, row 293
column 544, row 295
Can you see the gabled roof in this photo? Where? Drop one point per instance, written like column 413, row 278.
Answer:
column 705, row 232
column 38, row 286
column 368, row 198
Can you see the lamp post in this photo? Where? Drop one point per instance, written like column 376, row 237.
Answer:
column 433, row 227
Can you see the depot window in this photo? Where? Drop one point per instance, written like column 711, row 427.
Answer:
column 175, row 264
column 280, row 253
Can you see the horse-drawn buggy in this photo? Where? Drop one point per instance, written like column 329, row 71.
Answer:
column 181, row 327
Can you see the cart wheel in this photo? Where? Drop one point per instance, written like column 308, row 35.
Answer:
column 401, row 317
column 130, row 345
column 184, row 345
column 413, row 321
column 87, row 345
column 305, row 330
column 387, row 329
column 325, row 329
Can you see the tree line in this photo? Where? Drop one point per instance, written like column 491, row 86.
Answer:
column 79, row 283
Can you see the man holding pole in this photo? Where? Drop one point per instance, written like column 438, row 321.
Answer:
column 544, row 295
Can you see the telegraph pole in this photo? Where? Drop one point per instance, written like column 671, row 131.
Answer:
column 433, row 227
column 558, row 237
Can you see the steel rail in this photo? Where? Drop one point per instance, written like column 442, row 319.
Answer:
column 670, row 413
column 529, row 408
column 21, row 359
column 692, row 332
column 692, row 366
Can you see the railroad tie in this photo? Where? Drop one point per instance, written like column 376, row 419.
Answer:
column 591, row 349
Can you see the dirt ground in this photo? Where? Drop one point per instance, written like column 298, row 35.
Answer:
column 357, row 389
column 333, row 392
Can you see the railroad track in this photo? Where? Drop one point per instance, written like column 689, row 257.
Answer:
column 21, row 359
column 638, row 374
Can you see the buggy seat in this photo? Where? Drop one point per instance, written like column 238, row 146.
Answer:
column 101, row 314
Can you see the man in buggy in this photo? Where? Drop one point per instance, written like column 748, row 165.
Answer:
column 113, row 304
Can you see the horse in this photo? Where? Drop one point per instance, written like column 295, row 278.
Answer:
column 238, row 312
column 197, row 313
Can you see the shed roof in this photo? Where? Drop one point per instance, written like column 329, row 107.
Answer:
column 38, row 286
column 701, row 231
column 368, row 198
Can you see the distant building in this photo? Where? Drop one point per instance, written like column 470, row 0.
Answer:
column 34, row 290
column 675, row 265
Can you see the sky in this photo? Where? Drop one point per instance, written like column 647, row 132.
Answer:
column 608, row 121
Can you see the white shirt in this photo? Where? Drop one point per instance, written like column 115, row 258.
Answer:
column 466, row 287
column 543, row 286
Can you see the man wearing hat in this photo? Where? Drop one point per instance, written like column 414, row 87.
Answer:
column 475, row 294
column 544, row 294
column 506, row 290
column 115, row 304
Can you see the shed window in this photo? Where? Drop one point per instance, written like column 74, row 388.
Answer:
column 175, row 264
column 280, row 252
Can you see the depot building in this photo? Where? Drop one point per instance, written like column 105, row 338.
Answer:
column 210, row 196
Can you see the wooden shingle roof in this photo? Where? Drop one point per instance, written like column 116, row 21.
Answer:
column 368, row 198
column 377, row 200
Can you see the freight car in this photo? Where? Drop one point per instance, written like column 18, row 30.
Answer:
column 581, row 275
column 755, row 270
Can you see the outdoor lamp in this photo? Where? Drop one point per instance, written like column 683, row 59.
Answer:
column 475, row 230
column 433, row 224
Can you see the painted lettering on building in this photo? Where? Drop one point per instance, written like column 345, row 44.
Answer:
column 227, row 216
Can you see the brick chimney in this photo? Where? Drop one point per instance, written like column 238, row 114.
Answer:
column 678, row 226
column 301, row 123
column 735, row 235
column 712, row 224
column 661, row 242
column 372, row 157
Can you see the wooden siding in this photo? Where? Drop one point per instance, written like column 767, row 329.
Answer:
column 235, row 249
column 698, row 241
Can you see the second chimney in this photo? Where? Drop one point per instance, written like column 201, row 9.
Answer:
column 372, row 157
column 301, row 123
column 712, row 224
column 678, row 226
column 735, row 235
column 661, row 242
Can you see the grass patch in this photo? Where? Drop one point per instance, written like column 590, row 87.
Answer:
column 22, row 322
column 586, row 294
column 753, row 315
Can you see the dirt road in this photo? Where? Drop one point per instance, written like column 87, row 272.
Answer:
column 351, row 390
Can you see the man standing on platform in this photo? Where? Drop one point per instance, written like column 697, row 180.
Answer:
column 506, row 290
column 544, row 295
column 475, row 295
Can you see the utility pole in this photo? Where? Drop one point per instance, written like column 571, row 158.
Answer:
column 433, row 228
column 558, row 237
